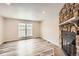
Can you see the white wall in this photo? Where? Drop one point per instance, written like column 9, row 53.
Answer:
column 11, row 28
column 50, row 24
column 50, row 31
column 1, row 30
column 36, row 29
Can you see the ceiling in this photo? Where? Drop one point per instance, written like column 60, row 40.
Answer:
column 30, row 11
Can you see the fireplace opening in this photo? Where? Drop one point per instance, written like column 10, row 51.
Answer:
column 69, row 43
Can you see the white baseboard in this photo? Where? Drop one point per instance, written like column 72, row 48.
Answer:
column 51, row 42
column 1, row 42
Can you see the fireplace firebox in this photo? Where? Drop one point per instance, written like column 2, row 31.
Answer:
column 69, row 43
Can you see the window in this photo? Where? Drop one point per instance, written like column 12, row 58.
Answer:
column 24, row 30
column 21, row 30
column 29, row 29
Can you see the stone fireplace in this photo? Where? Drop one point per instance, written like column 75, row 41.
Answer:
column 69, row 28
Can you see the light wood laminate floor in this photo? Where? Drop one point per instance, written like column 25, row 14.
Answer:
column 30, row 47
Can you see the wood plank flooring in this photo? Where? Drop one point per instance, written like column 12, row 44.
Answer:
column 30, row 47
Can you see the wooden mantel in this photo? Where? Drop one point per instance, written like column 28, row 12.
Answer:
column 73, row 19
